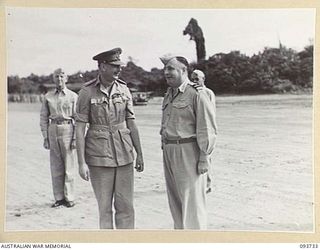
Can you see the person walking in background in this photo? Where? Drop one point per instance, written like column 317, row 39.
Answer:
column 105, row 154
column 188, row 135
column 198, row 77
column 57, row 127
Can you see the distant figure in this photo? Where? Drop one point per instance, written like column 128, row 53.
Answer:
column 58, row 130
column 105, row 152
column 188, row 138
column 196, row 34
column 198, row 77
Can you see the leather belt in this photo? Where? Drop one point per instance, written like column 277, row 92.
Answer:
column 110, row 128
column 60, row 122
column 180, row 141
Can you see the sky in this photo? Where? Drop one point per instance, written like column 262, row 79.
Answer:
column 40, row 40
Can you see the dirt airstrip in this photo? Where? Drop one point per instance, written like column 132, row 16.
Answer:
column 263, row 173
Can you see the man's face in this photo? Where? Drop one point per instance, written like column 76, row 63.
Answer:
column 60, row 80
column 197, row 78
column 173, row 72
column 110, row 71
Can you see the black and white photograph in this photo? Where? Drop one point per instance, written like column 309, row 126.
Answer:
column 160, row 119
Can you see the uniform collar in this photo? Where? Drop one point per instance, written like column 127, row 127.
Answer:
column 113, row 88
column 183, row 86
column 63, row 91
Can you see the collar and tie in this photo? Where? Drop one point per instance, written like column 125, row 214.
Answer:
column 59, row 90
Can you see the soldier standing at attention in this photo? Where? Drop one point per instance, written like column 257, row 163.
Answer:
column 198, row 77
column 57, row 127
column 105, row 153
column 188, row 138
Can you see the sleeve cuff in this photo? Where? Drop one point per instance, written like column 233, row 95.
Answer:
column 203, row 157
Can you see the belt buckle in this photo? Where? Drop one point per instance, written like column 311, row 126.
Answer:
column 178, row 142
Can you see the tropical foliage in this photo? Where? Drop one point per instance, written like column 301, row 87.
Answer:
column 274, row 70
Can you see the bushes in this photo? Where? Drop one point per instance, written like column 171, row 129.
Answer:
column 274, row 70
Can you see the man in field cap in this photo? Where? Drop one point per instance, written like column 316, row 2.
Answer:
column 188, row 138
column 57, row 126
column 105, row 152
column 198, row 77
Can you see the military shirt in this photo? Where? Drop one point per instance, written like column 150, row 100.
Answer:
column 210, row 94
column 189, row 114
column 57, row 105
column 108, row 141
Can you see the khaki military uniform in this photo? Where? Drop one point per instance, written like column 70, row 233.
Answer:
column 109, row 149
column 57, row 125
column 188, row 133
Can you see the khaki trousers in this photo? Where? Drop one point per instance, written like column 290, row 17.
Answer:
column 186, row 189
column 62, row 161
column 113, row 186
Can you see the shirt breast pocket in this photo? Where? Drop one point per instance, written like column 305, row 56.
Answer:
column 182, row 111
column 180, row 105
column 119, row 103
column 98, row 109
column 67, row 108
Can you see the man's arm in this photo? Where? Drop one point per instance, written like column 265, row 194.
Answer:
column 206, row 130
column 44, row 123
column 131, row 124
column 74, row 106
column 82, row 118
column 80, row 132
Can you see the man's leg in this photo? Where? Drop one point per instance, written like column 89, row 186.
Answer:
column 123, row 197
column 65, row 137
column 191, row 186
column 102, row 180
column 56, row 164
column 174, row 199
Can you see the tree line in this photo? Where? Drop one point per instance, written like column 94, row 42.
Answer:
column 274, row 70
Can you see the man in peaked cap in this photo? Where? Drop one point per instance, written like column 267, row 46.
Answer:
column 188, row 138
column 105, row 153
column 110, row 57
column 57, row 127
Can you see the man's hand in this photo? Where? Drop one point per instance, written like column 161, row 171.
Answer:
column 46, row 144
column 84, row 172
column 198, row 87
column 202, row 167
column 139, row 163
column 73, row 144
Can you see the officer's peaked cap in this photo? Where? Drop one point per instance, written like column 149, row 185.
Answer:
column 110, row 57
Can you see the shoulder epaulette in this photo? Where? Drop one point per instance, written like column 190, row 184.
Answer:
column 121, row 81
column 89, row 83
